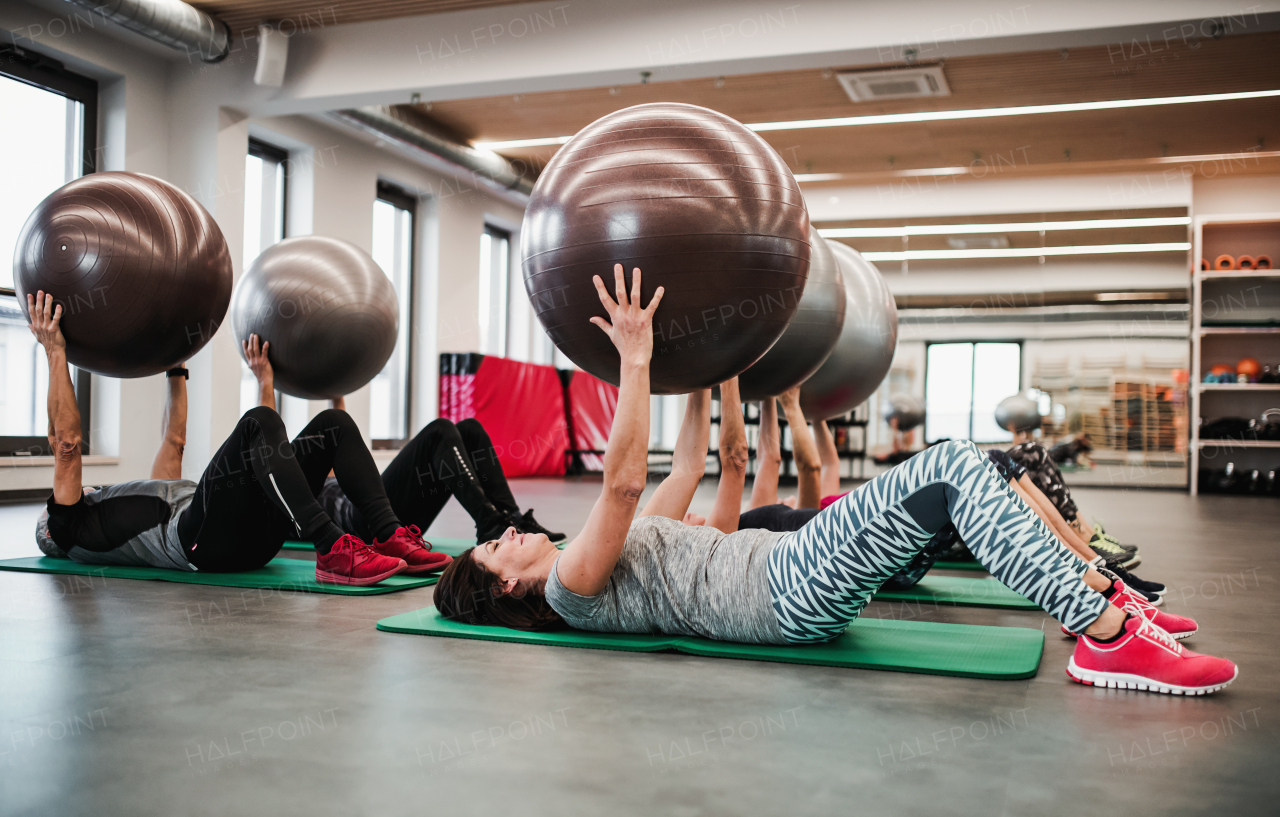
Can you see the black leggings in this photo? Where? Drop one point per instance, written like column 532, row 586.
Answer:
column 260, row 489
column 447, row 460
column 777, row 518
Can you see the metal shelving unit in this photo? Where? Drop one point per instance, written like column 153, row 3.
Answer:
column 1252, row 233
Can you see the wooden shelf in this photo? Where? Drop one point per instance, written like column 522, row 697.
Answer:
column 1238, row 443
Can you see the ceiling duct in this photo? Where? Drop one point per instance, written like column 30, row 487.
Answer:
column 394, row 124
column 169, row 22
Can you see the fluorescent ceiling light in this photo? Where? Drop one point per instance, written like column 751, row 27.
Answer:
column 818, row 177
column 1014, row 227
column 940, row 116
column 521, row 143
column 1017, row 110
column 1025, row 252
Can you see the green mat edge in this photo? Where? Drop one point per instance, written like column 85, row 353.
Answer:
column 65, row 567
column 1006, row 599
column 718, row 649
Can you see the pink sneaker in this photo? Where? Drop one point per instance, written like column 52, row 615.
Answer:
column 408, row 544
column 1136, row 604
column 350, row 561
column 1147, row 658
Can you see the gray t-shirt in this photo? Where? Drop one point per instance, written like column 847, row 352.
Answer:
column 679, row 579
column 137, row 534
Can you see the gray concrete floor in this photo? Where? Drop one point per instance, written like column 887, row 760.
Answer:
column 140, row 698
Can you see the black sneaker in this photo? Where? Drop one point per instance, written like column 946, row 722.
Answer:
column 527, row 524
column 1153, row 591
column 1114, row 554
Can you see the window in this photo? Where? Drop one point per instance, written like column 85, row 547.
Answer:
column 393, row 237
column 963, row 384
column 50, row 138
column 265, row 209
column 495, row 255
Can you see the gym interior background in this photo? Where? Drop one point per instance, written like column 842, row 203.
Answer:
column 1076, row 201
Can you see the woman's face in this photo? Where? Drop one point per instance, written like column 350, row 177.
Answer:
column 517, row 556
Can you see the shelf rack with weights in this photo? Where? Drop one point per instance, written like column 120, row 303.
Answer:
column 1234, row 313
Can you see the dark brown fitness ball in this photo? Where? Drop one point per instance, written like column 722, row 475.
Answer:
column 810, row 336
column 141, row 270
column 864, row 352
column 327, row 309
column 704, row 207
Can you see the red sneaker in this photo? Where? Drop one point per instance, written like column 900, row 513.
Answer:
column 350, row 561
column 408, row 544
column 1147, row 658
column 1136, row 604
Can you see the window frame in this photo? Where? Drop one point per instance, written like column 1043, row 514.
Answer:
column 1020, row 343
column 37, row 70
column 495, row 231
column 272, row 153
column 403, row 200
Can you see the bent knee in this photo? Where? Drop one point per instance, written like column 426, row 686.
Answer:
column 263, row 416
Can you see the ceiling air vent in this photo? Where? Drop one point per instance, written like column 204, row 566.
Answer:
column 871, row 86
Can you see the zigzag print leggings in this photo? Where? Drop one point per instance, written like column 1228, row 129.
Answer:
column 822, row 575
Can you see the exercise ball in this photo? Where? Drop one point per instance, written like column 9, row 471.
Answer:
column 907, row 409
column 703, row 207
column 141, row 270
column 328, row 311
column 1018, row 413
column 810, row 336
column 864, row 350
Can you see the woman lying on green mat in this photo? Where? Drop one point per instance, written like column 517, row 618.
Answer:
column 656, row 574
column 443, row 460
column 259, row 490
column 809, row 465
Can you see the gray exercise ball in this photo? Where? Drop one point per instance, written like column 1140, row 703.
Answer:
column 811, row 334
column 907, row 409
column 328, row 311
column 1018, row 413
column 864, row 351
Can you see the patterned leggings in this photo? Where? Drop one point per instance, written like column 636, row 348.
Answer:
column 822, row 575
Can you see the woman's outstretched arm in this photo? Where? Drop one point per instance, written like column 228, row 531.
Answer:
column 830, row 458
column 168, row 461
column 733, row 460
column 808, row 465
column 64, row 412
column 688, row 463
column 586, row 564
column 764, row 488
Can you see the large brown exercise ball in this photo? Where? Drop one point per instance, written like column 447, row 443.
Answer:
column 328, row 311
column 1018, row 413
column 810, row 336
column 704, row 207
column 864, row 352
column 906, row 409
column 141, row 270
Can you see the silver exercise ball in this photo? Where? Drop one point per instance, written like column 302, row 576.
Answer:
column 1018, row 413
column 811, row 334
column 907, row 409
column 864, row 352
column 328, row 311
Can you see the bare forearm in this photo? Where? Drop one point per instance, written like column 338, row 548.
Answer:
column 168, row 461
column 690, row 456
column 830, row 458
column 626, row 462
column 64, row 430
column 267, row 394
column 808, row 465
column 733, row 460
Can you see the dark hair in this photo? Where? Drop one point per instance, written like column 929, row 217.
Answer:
column 470, row 593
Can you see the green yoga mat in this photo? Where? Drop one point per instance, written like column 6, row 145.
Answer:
column 875, row 643
column 453, row 547
column 969, row 564
column 279, row 574
column 961, row 592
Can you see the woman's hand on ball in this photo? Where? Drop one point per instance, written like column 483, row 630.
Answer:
column 630, row 326
column 45, row 318
column 255, row 355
